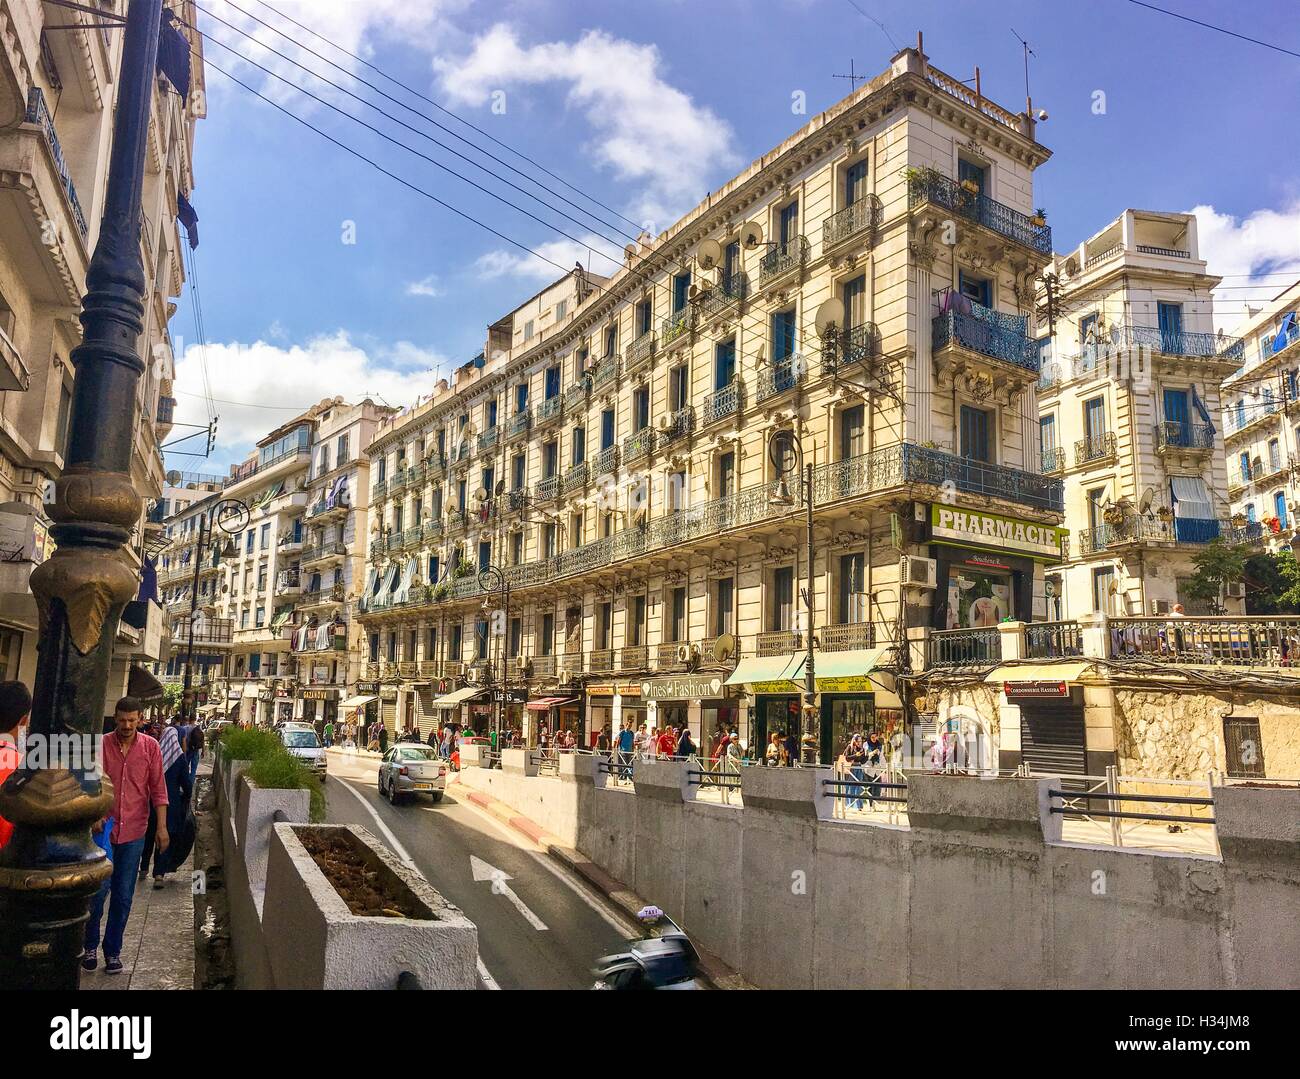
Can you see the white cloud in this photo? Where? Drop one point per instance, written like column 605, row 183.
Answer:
column 647, row 131
column 551, row 261
column 256, row 387
column 1243, row 250
column 426, row 286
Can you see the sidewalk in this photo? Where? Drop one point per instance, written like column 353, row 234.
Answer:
column 158, row 947
column 618, row 893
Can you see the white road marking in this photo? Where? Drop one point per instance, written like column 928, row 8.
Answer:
column 578, row 887
column 489, row 981
column 393, row 841
column 482, row 871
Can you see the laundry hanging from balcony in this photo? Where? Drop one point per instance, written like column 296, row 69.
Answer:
column 1203, row 412
column 186, row 215
column 174, row 55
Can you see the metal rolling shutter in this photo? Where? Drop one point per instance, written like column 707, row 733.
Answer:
column 1052, row 739
column 388, row 713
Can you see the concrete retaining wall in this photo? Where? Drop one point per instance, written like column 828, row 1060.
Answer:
column 977, row 891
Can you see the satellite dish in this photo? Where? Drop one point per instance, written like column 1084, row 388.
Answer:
column 724, row 647
column 751, row 235
column 481, row 494
column 830, row 313
column 708, row 254
column 629, row 252
column 173, row 478
column 1144, row 505
column 500, row 487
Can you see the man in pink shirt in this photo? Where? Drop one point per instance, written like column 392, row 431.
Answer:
column 133, row 763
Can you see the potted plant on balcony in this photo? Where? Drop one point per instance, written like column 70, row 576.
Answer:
column 465, row 568
column 1039, row 218
column 1113, row 514
column 1165, row 513
column 1238, row 520
column 441, row 591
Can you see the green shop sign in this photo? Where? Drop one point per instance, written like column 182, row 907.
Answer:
column 958, row 526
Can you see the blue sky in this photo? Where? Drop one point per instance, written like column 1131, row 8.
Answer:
column 646, row 107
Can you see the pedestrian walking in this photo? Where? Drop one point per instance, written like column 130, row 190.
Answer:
column 873, row 765
column 772, row 755
column 685, row 743
column 791, row 748
column 329, row 733
column 194, row 749
column 854, row 757
column 15, row 711
column 666, row 745
column 383, row 738
column 626, row 749
column 133, row 763
column 180, row 786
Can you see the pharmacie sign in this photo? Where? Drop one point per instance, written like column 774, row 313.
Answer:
column 956, row 525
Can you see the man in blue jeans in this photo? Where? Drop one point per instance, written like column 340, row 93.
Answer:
column 132, row 761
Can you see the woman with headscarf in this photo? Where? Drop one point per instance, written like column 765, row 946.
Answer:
column 176, row 774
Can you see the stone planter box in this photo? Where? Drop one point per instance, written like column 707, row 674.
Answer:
column 518, row 761
column 255, row 809
column 314, row 941
column 474, row 756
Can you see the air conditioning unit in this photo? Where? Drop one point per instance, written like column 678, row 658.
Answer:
column 1235, row 590
column 1159, row 606
column 916, row 571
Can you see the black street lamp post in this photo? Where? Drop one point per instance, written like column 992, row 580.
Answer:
column 51, row 868
column 492, row 580
column 230, row 515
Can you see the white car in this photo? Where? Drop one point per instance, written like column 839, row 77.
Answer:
column 300, row 740
column 412, row 768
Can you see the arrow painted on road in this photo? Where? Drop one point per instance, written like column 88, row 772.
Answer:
column 482, row 871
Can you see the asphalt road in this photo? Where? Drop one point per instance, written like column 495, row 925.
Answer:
column 440, row 839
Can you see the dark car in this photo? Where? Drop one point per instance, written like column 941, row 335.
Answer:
column 666, row 962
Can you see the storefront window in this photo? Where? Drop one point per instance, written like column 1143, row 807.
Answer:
column 978, row 598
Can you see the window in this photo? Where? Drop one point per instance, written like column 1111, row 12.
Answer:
column 1087, row 328
column 636, row 621
column 455, row 642
column 1177, row 416
column 259, row 619
column 1243, row 747
column 724, row 363
column 644, row 317
column 730, row 264
column 1094, row 421
column 784, row 457
column 976, row 424
column 1169, row 317
column 727, row 474
column 516, row 548
column 611, row 340
column 491, row 414
column 550, row 458
column 399, row 515
column 484, row 554
column 1274, row 455
column 489, row 484
column 788, row 222
column 780, row 614
column 580, row 361
column 677, row 614
column 677, row 491
column 1279, row 509
column 1103, row 585
column 1047, row 434
column 1096, row 499
column 606, row 428
column 782, row 335
column 575, row 530
column 552, row 382
column 518, row 465
column 516, row 637
column 323, row 465
column 528, row 330
column 561, row 309
column 854, row 295
column 547, row 642
column 521, row 397
column 977, row 174
column 417, row 511
column 724, row 606
column 678, row 388
column 681, row 291
column 480, row 638
column 641, row 408
column 853, row 442
column 978, row 289
column 548, row 540
column 578, row 445
column 604, row 624
column 852, row 588
column 248, row 541
column 433, row 569
column 374, row 648
column 855, row 182
column 341, row 453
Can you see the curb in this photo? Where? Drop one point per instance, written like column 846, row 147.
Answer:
column 618, row 893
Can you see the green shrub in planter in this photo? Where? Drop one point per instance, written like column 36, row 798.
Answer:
column 249, row 745
column 284, row 771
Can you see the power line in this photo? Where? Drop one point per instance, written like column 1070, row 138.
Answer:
column 870, row 18
column 448, row 112
column 1212, row 26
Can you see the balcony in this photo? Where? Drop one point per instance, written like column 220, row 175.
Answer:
column 848, row 347
column 487, row 441
column 639, row 352
column 605, row 372
column 431, row 530
column 324, row 552
column 846, row 636
column 575, row 397
column 1247, row 416
column 548, row 489
column 1053, row 460
column 935, row 189
column 861, row 219
column 677, row 325
column 779, row 376
column 1180, row 343
column 1053, row 640
column 600, row 661
column 575, row 479
column 1259, row 641
column 638, row 446
column 777, row 642
column 727, row 295
column 38, row 114
column 633, row 657
column 166, row 414
column 587, row 557
column 462, row 452
column 987, row 333
column 435, row 465
column 782, row 259
column 519, row 423
column 965, row 647
column 1095, row 448
column 1095, row 540
column 317, row 597
column 550, row 409
column 1184, row 438
column 1162, row 526
column 725, row 402
column 679, row 425
column 605, row 462
column 378, row 490
column 514, row 501
column 455, row 519
column 398, row 480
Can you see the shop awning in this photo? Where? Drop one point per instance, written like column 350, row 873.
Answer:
column 140, row 683
column 765, row 669
column 1039, row 672
column 846, row 669
column 460, row 696
column 545, row 704
column 357, row 702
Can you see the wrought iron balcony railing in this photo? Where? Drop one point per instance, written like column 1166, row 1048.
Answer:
column 781, row 259
column 861, row 217
column 487, row 441
column 1177, row 342
column 639, row 445
column 1051, row 640
column 514, row 501
column 678, row 324
column 550, row 409
column 1053, row 460
column 1001, row 337
column 965, row 647
column 379, row 489
column 639, row 352
column 1167, row 252
column 605, row 372
column 633, row 657
column 38, row 113
column 1259, row 641
column 1096, row 539
column 1095, row 448
column 779, row 376
column 322, row 551
column 680, row 424
column 729, row 292
column 575, row 397
column 431, row 530
column 1172, row 434
column 600, row 661
column 851, row 346
column 943, row 192
column 605, row 462
column 575, row 479
column 548, row 489
column 582, row 559
column 435, row 464
column 725, row 402
column 519, row 423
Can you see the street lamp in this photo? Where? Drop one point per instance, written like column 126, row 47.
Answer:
column 51, row 866
column 492, row 580
column 778, row 451
column 231, row 515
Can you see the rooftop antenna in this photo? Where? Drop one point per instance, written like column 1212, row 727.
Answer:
column 853, row 77
column 1029, row 105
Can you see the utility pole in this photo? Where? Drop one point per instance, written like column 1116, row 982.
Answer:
column 52, row 867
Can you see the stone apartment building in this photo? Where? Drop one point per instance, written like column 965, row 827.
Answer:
column 1261, row 415
column 1129, row 415
column 58, row 77
column 633, row 465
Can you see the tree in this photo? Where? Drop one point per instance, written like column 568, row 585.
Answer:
column 172, row 697
column 1217, row 565
column 1273, row 583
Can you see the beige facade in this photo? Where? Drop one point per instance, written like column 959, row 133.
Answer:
column 1129, row 415
column 1261, row 412
column 615, row 464
column 58, row 74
